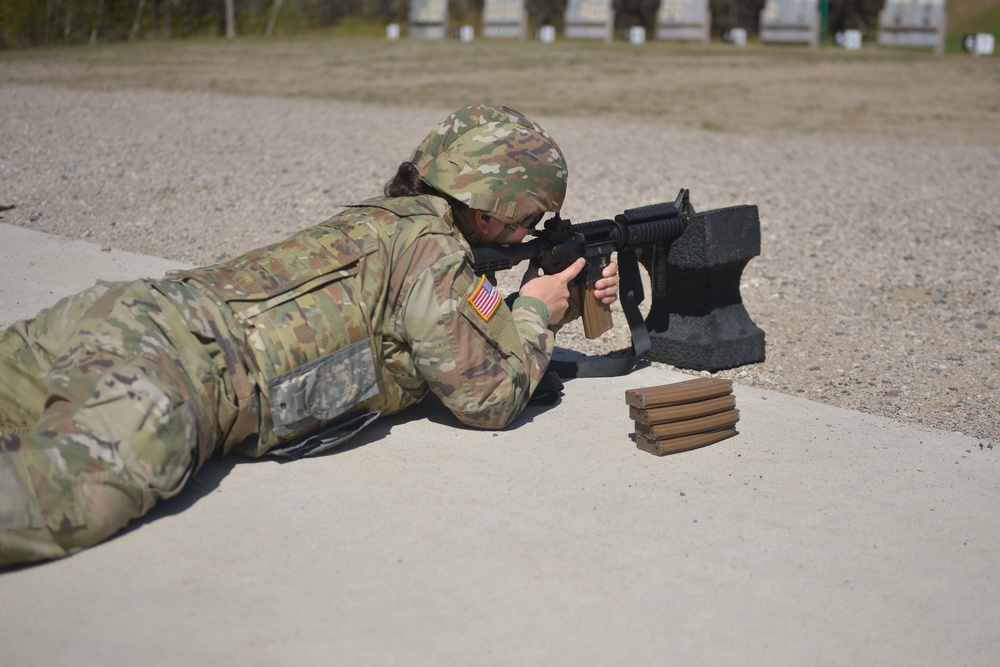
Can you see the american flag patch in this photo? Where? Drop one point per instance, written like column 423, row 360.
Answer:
column 485, row 298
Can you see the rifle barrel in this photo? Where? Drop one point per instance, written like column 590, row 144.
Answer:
column 654, row 231
column 667, row 209
column 655, row 224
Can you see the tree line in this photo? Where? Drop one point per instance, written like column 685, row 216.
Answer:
column 26, row 23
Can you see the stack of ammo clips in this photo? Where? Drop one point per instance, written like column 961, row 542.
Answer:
column 683, row 415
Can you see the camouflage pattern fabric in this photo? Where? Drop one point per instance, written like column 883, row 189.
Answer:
column 395, row 272
column 108, row 403
column 114, row 397
column 495, row 160
column 430, row 336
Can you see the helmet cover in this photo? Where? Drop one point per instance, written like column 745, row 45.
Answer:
column 495, row 160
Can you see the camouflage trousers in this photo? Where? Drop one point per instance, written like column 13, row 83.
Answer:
column 109, row 402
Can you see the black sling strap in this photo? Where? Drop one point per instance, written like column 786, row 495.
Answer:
column 624, row 361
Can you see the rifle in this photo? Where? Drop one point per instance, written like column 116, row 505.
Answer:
column 645, row 232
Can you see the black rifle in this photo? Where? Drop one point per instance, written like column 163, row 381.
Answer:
column 644, row 232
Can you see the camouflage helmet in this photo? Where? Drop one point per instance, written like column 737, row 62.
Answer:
column 495, row 160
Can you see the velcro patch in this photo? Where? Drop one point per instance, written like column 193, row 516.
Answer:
column 485, row 299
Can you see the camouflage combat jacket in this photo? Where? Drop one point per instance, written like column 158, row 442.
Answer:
column 363, row 314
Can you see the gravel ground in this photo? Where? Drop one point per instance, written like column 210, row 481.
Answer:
column 876, row 286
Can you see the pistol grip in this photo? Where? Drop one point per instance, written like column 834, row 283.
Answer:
column 596, row 315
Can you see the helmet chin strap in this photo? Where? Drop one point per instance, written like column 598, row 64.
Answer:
column 502, row 236
column 468, row 229
column 508, row 229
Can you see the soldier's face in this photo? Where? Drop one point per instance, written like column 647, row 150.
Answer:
column 490, row 229
column 515, row 236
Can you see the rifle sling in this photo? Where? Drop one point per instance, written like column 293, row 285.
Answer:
column 622, row 362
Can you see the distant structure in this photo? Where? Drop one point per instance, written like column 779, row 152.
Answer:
column 505, row 18
column 790, row 22
column 913, row 23
column 684, row 20
column 429, row 19
column 589, row 19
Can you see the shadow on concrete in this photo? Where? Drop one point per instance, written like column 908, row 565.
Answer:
column 210, row 476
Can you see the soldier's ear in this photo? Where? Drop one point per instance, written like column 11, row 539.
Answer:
column 480, row 222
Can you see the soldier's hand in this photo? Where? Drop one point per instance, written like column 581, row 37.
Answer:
column 606, row 289
column 552, row 290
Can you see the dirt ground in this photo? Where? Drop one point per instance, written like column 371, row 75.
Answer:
column 875, row 172
column 720, row 88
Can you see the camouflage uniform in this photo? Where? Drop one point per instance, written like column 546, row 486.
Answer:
column 114, row 397
column 108, row 402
